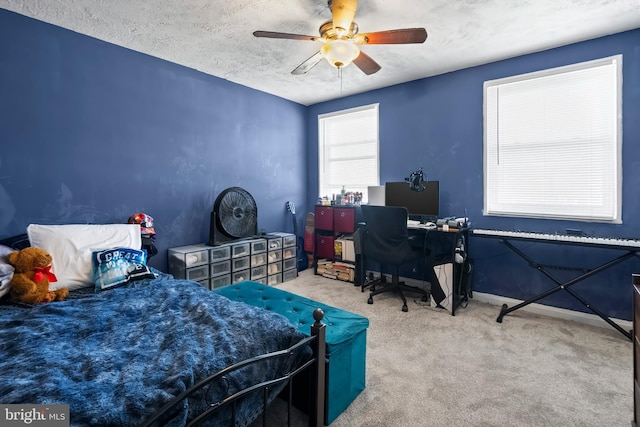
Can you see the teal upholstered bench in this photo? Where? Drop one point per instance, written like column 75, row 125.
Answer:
column 346, row 338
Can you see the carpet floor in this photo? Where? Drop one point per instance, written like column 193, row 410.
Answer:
column 428, row 368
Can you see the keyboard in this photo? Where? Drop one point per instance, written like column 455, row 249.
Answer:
column 419, row 225
column 561, row 238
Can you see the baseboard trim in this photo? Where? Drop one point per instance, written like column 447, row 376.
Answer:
column 546, row 310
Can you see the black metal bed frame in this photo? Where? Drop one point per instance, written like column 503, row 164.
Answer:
column 315, row 393
column 315, row 366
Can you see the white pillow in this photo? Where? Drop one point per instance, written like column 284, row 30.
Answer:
column 71, row 246
column 6, row 270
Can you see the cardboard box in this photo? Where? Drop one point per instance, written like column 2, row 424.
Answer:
column 348, row 249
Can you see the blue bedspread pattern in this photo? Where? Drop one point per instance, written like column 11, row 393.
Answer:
column 116, row 356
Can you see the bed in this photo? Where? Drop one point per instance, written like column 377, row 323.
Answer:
column 156, row 351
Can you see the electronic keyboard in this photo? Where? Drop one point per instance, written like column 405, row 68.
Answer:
column 561, row 238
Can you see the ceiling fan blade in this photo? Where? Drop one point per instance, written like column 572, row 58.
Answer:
column 405, row 35
column 308, row 64
column 343, row 12
column 275, row 35
column 366, row 63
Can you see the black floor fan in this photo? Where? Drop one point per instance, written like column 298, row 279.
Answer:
column 234, row 216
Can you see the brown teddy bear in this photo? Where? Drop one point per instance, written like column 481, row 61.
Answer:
column 30, row 283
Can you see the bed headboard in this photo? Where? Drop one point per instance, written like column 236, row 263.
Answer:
column 18, row 242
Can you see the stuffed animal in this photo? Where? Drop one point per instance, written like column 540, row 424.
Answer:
column 30, row 283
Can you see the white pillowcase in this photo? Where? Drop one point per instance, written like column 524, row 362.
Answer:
column 6, row 270
column 71, row 246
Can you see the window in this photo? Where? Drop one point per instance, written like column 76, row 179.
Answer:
column 552, row 143
column 348, row 151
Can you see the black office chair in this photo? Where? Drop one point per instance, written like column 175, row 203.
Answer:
column 385, row 240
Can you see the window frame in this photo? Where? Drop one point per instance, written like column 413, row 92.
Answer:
column 323, row 149
column 611, row 201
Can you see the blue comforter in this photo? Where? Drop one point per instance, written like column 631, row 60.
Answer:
column 117, row 356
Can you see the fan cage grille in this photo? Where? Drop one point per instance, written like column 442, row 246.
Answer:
column 236, row 213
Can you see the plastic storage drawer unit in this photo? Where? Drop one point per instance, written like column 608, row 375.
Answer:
column 274, row 256
column 289, row 252
column 258, row 272
column 289, row 275
column 220, row 281
column 240, row 263
column 239, row 276
column 274, row 268
column 289, row 263
column 258, row 259
column 258, row 245
column 189, row 262
column 274, row 279
column 219, row 253
column 189, row 256
column 219, row 268
column 197, row 273
column 274, row 242
column 240, row 249
column 288, row 239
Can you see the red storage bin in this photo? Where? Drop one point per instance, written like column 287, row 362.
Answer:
column 344, row 220
column 324, row 246
column 324, row 218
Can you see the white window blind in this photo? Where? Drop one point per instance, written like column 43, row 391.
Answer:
column 348, row 150
column 553, row 143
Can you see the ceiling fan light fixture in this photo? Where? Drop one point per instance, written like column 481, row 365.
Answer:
column 339, row 52
column 341, row 41
column 341, row 32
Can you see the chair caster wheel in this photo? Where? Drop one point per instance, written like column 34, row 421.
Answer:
column 405, row 308
column 370, row 300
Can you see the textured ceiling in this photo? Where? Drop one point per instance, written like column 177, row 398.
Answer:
column 215, row 36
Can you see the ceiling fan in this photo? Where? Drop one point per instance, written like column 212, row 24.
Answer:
column 341, row 41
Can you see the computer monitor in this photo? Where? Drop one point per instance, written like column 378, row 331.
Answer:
column 420, row 204
column 375, row 195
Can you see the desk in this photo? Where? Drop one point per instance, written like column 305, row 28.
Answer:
column 439, row 249
column 630, row 246
column 439, row 252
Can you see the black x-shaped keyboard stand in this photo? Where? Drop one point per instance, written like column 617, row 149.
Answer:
column 566, row 286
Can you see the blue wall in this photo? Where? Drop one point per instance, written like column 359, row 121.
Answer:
column 437, row 123
column 91, row 133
